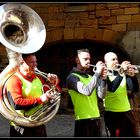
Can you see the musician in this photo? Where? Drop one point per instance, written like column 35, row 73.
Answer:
column 25, row 90
column 118, row 116
column 83, row 89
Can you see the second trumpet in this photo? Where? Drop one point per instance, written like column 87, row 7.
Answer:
column 110, row 72
column 120, row 69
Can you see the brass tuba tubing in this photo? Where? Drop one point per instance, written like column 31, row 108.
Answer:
column 37, row 70
column 21, row 28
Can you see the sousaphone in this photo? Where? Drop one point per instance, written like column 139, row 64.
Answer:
column 21, row 31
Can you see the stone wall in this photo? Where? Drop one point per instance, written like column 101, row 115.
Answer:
column 96, row 21
column 117, row 23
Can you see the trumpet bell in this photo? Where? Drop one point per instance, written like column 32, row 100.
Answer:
column 22, row 29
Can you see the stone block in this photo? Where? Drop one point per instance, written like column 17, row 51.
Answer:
column 132, row 10
column 136, row 18
column 117, row 12
column 68, row 33
column 102, row 13
column 123, row 18
column 107, row 20
column 119, row 27
column 79, row 33
column 55, row 23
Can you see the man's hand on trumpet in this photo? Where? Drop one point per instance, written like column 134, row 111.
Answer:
column 128, row 68
column 104, row 73
column 122, row 68
column 132, row 70
column 48, row 95
column 125, row 65
column 101, row 69
column 53, row 78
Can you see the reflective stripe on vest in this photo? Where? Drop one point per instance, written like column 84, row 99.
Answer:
column 84, row 106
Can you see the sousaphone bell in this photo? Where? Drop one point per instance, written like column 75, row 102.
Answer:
column 22, row 31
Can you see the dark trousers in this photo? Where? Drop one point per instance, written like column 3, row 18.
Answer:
column 120, row 124
column 87, row 128
column 20, row 131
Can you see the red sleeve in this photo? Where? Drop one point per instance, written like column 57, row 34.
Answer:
column 14, row 86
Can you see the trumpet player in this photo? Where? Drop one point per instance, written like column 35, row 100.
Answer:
column 84, row 89
column 25, row 89
column 116, row 102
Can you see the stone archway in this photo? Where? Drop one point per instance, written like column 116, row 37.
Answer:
column 63, row 52
column 59, row 57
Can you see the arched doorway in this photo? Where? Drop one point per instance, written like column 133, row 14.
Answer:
column 59, row 57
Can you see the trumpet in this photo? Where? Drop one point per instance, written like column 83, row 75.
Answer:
column 94, row 67
column 53, row 86
column 138, row 66
column 134, row 67
column 120, row 70
column 110, row 72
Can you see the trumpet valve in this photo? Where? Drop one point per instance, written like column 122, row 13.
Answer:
column 134, row 68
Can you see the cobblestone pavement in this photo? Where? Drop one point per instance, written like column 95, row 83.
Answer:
column 62, row 125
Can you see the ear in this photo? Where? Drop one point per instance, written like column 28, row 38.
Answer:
column 22, row 61
column 77, row 60
column 105, row 61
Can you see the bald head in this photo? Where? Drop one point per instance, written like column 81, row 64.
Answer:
column 111, row 59
column 109, row 55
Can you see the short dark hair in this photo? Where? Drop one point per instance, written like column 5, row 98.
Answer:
column 24, row 56
column 82, row 50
